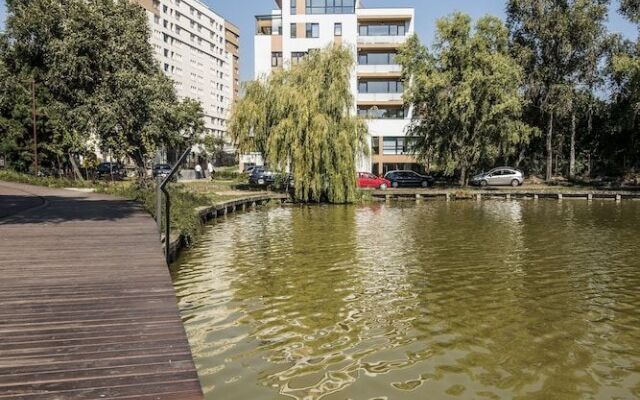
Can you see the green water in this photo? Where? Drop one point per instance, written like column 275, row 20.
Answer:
column 461, row 300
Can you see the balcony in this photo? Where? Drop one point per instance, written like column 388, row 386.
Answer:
column 268, row 25
column 379, row 98
column 379, row 71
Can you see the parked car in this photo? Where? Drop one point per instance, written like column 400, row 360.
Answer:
column 501, row 176
column 248, row 167
column 408, row 179
column 109, row 170
column 262, row 177
column 161, row 170
column 367, row 180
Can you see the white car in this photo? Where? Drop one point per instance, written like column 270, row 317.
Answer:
column 502, row 176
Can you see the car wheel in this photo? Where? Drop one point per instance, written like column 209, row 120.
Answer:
column 383, row 186
column 424, row 184
column 394, row 184
column 515, row 183
column 484, row 183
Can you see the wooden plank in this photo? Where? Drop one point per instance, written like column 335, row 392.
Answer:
column 88, row 307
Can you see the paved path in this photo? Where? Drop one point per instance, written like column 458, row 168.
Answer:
column 87, row 307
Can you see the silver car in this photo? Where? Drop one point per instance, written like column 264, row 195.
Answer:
column 502, row 176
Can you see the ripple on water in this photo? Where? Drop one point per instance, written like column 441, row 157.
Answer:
column 442, row 300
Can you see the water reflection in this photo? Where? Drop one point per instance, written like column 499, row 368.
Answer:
column 495, row 299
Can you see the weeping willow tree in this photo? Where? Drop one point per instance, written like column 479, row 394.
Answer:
column 301, row 119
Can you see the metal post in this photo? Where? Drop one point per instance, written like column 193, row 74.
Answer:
column 167, row 205
column 159, row 204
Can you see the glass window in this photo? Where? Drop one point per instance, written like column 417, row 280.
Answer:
column 297, row 56
column 383, row 29
column 294, row 31
column 312, row 31
column 276, row 59
column 380, row 86
column 398, row 145
column 337, row 29
column 377, row 58
column 330, row 6
column 382, row 112
column 389, row 145
column 294, row 10
column 375, row 145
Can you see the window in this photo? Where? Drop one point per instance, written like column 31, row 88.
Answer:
column 380, row 86
column 397, row 145
column 294, row 9
column 297, row 56
column 337, row 29
column 331, row 6
column 382, row 112
column 312, row 31
column 385, row 58
column 375, row 145
column 294, row 31
column 384, row 29
column 276, row 59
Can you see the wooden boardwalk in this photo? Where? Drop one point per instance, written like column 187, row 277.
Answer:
column 502, row 193
column 87, row 307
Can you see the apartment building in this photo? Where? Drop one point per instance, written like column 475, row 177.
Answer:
column 199, row 51
column 284, row 36
column 232, row 40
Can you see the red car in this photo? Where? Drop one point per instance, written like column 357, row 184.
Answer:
column 367, row 180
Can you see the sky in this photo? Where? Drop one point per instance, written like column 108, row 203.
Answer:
column 242, row 13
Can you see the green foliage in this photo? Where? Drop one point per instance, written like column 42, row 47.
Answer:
column 466, row 95
column 560, row 45
column 631, row 9
column 300, row 119
column 96, row 81
column 8, row 175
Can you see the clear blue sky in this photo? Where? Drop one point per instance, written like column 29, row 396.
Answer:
column 242, row 12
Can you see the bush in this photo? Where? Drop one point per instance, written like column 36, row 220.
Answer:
column 184, row 205
column 8, row 175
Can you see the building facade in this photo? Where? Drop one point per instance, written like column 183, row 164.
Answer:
column 295, row 27
column 199, row 51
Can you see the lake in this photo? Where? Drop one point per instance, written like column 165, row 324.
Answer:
column 438, row 300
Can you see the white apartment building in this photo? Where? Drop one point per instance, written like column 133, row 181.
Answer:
column 197, row 49
column 287, row 34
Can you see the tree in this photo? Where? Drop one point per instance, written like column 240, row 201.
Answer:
column 557, row 43
column 631, row 9
column 465, row 94
column 624, row 70
column 301, row 119
column 96, row 77
column 590, row 42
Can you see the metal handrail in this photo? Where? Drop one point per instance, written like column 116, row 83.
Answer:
column 167, row 204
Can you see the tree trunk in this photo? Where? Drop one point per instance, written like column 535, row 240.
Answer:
column 572, row 152
column 549, row 171
column 74, row 166
column 463, row 175
column 590, row 131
